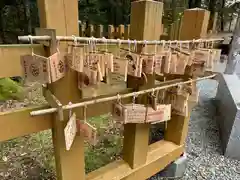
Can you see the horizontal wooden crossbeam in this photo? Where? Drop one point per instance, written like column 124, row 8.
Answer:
column 159, row 155
column 19, row 123
column 10, row 58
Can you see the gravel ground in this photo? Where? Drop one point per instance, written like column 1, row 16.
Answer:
column 203, row 148
column 205, row 157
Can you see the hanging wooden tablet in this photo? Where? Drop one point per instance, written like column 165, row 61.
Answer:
column 209, row 64
column 182, row 61
column 69, row 56
column 134, row 62
column 191, row 58
column 173, row 64
column 198, row 69
column 161, row 114
column 148, row 63
column 180, row 105
column 161, row 96
column 178, row 101
column 120, row 66
column 77, row 58
column 70, row 131
column 119, row 113
column 109, row 61
column 167, row 61
column 218, row 53
column 36, row 68
column 134, row 65
column 89, row 132
column 159, row 64
column 152, row 99
column 91, row 61
column 57, row 66
column 201, row 55
column 88, row 78
column 102, row 64
column 135, row 113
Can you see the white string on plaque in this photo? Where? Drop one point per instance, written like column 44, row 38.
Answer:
column 135, row 113
column 57, row 65
column 77, row 56
column 167, row 59
column 36, row 68
column 178, row 100
column 91, row 71
column 70, row 131
column 89, row 132
column 120, row 65
column 134, row 61
column 148, row 61
column 158, row 63
column 119, row 112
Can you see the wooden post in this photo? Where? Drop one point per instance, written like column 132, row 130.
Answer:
column 110, row 31
column 116, row 32
column 121, row 31
column 127, row 31
column 194, row 24
column 100, row 31
column 177, row 128
column 62, row 15
column 81, row 30
column 90, row 30
column 145, row 18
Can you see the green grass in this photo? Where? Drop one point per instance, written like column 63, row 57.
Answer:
column 10, row 89
column 36, row 151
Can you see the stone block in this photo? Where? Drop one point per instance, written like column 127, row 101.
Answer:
column 228, row 114
column 176, row 169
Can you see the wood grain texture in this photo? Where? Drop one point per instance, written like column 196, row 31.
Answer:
column 10, row 58
column 62, row 15
column 159, row 155
column 145, row 24
column 177, row 127
column 19, row 123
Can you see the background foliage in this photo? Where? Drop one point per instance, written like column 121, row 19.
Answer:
column 18, row 17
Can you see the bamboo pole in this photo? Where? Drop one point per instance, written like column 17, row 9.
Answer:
column 101, row 100
column 111, row 41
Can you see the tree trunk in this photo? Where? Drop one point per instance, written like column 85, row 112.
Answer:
column 198, row 3
column 222, row 15
column 211, row 8
column 2, row 34
column 194, row 3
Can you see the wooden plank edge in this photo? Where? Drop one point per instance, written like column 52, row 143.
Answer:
column 160, row 155
column 18, row 123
